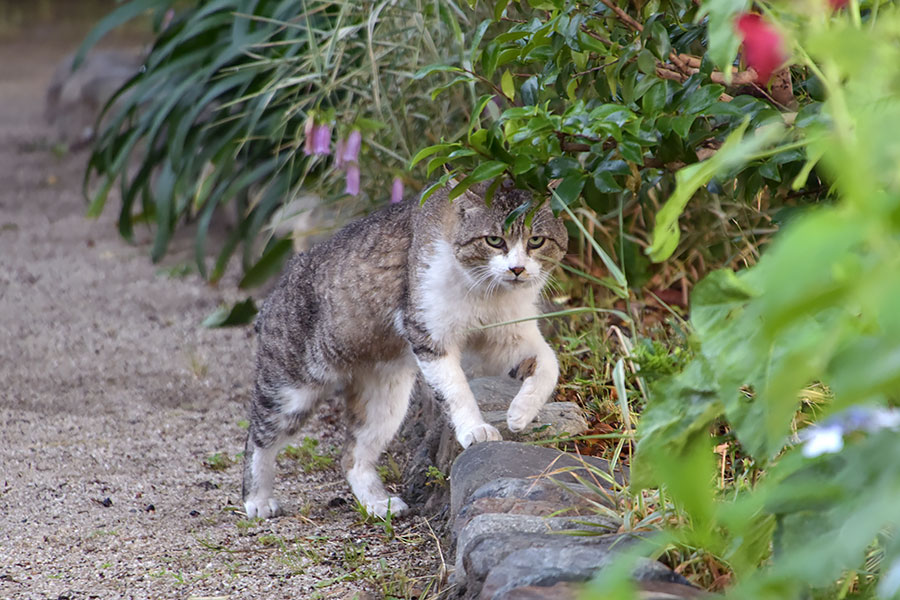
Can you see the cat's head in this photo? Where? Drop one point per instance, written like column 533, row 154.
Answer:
column 500, row 257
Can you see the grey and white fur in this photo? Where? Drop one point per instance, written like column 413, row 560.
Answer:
column 403, row 290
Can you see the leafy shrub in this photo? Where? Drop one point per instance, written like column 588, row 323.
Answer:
column 595, row 103
column 606, row 107
column 216, row 118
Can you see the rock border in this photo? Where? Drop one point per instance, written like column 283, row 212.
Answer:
column 521, row 522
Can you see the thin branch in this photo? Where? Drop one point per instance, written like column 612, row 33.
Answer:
column 624, row 16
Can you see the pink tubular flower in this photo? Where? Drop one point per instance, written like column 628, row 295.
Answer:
column 397, row 191
column 322, row 139
column 763, row 48
column 352, row 180
column 308, row 129
column 351, row 147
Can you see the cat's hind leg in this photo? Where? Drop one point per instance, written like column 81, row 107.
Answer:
column 377, row 401
column 276, row 414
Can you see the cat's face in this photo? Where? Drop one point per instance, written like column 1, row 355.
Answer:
column 520, row 256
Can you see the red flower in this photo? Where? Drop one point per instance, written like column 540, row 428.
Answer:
column 763, row 48
column 838, row 4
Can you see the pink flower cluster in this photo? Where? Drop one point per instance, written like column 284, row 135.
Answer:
column 346, row 155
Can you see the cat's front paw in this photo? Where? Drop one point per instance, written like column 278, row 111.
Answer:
column 477, row 434
column 518, row 418
column 263, row 508
column 380, row 508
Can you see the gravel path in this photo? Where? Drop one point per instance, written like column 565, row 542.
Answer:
column 120, row 417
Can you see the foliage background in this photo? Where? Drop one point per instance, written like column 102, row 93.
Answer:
column 673, row 162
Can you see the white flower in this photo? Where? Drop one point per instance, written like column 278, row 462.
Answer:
column 822, row 440
column 889, row 585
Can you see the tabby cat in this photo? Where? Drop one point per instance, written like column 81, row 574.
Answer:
column 405, row 290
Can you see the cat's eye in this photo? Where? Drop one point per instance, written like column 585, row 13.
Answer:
column 494, row 241
column 535, row 241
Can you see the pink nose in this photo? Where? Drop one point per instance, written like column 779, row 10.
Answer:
column 517, row 270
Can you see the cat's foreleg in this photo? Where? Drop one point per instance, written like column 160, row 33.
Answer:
column 376, row 405
column 446, row 377
column 540, row 377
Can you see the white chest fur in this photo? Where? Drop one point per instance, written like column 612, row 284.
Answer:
column 454, row 303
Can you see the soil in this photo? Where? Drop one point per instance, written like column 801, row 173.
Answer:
column 121, row 418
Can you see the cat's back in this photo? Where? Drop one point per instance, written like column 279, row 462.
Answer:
column 346, row 289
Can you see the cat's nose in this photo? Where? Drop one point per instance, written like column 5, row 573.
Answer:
column 517, row 270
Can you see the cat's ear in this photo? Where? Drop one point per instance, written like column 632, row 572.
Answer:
column 467, row 197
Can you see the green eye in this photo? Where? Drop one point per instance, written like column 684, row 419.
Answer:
column 535, row 241
column 494, row 241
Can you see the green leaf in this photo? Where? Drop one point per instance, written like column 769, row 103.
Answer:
column 654, row 100
column 736, row 150
column 436, row 68
column 484, row 171
column 647, row 63
column 507, row 85
column 529, row 91
column 128, row 11
column 429, row 150
column 269, row 264
column 241, row 313
column 570, row 188
column 723, row 39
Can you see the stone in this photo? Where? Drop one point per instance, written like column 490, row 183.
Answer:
column 490, row 523
column 554, row 419
column 489, row 461
column 558, row 591
column 647, row 590
column 494, row 393
column 499, row 563
column 529, row 496
column 428, row 439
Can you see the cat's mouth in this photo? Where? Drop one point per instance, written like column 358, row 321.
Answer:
column 517, row 281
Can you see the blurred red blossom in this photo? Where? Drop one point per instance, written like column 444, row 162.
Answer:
column 763, row 48
column 838, row 4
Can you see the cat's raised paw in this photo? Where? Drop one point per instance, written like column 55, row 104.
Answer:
column 380, row 508
column 517, row 419
column 263, row 508
column 479, row 433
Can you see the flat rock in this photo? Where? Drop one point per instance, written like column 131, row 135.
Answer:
column 494, row 393
column 558, row 591
column 429, row 440
column 535, row 497
column 489, row 461
column 500, row 563
column 555, row 419
column 491, row 523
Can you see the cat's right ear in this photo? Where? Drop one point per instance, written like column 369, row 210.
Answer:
column 467, row 195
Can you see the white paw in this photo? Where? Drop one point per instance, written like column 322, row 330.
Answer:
column 517, row 418
column 263, row 508
column 479, row 433
column 380, row 508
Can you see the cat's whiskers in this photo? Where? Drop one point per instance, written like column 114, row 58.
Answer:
column 481, row 274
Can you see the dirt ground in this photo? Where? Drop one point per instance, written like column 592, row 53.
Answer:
column 120, row 417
